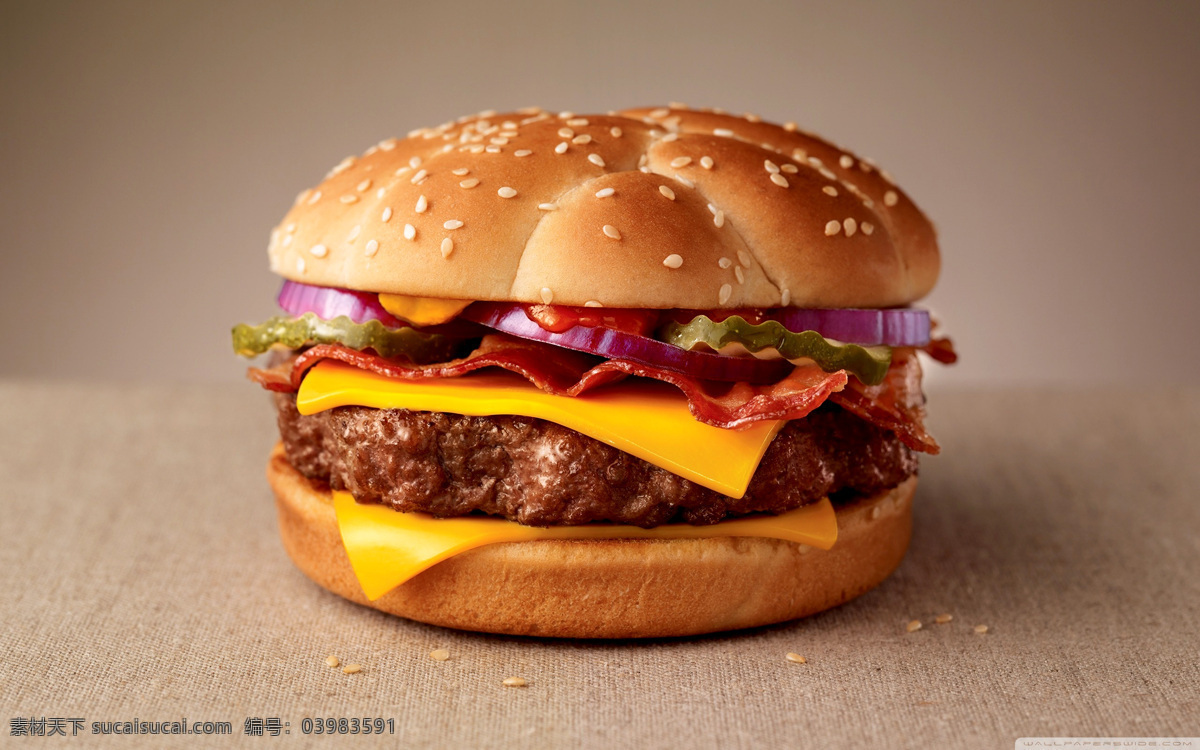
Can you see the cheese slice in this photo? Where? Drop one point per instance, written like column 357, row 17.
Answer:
column 387, row 548
column 647, row 419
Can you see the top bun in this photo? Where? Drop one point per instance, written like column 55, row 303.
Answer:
column 657, row 208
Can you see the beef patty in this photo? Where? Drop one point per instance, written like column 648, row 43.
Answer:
column 543, row 474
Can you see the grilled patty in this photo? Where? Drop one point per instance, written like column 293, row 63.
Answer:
column 543, row 474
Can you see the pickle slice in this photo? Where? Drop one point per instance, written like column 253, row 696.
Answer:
column 868, row 363
column 294, row 333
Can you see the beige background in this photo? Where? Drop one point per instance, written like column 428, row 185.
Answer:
column 146, row 149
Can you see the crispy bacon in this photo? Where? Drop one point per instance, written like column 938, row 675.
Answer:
column 896, row 404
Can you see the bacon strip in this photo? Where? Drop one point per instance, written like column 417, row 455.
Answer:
column 896, row 404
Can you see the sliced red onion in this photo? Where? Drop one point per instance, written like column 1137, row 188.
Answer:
column 898, row 327
column 329, row 302
column 606, row 342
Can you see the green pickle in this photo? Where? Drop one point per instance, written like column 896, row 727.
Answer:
column 294, row 333
column 868, row 363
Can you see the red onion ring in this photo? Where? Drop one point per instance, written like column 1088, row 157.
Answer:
column 328, row 303
column 897, row 327
column 605, row 342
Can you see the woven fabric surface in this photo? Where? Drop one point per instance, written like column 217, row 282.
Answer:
column 143, row 578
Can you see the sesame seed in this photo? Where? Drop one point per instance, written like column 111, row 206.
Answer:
column 943, row 619
column 499, row 141
column 785, row 297
column 981, row 629
column 661, row 112
column 318, row 251
column 452, row 224
column 799, row 154
column 795, row 658
column 680, row 161
column 447, row 247
column 419, row 177
column 342, row 166
column 890, row 198
column 387, row 214
column 606, row 192
column 876, row 512
column 867, row 228
column 354, row 232
column 723, row 132
column 751, row 117
column 469, row 183
column 682, row 180
column 667, row 192
column 851, row 226
column 846, row 162
column 610, row 231
column 615, row 132
column 719, row 219
column 300, row 265
column 522, row 152
column 669, row 137
column 331, row 661
column 514, row 682
column 461, row 171
column 440, row 654
column 790, row 127
column 674, row 260
column 581, row 140
column 476, row 148
column 827, row 174
column 832, row 228
column 595, row 159
column 363, row 186
column 349, row 199
column 724, row 294
column 566, row 133
column 410, row 232
column 379, row 193
column 403, row 170
column 706, row 162
column 548, row 206
column 506, row 192
column 592, row 303
column 712, row 209
column 789, row 168
column 913, row 626
column 779, row 180
column 371, row 248
column 744, row 258
column 741, row 276
column 578, row 122
column 287, row 240
column 724, row 262
column 771, row 166
column 422, row 204
column 561, row 148
column 352, row 668
column 547, row 295
column 388, row 144
column 829, row 190
column 414, row 162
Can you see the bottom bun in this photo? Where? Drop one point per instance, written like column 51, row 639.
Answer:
column 611, row 588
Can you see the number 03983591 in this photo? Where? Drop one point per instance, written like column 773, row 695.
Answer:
column 352, row 725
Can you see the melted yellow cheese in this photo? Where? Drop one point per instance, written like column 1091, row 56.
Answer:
column 646, row 419
column 387, row 548
column 422, row 311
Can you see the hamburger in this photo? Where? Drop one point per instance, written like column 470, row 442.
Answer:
column 640, row 374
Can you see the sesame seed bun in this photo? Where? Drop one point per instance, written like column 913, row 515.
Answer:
column 611, row 588
column 649, row 208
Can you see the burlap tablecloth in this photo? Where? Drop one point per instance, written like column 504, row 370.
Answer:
column 142, row 577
